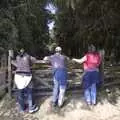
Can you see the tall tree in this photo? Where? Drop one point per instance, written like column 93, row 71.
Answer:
column 24, row 24
column 82, row 22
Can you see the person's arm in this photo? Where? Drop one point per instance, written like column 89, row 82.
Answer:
column 83, row 59
column 46, row 59
column 34, row 60
column 67, row 58
column 13, row 62
column 40, row 61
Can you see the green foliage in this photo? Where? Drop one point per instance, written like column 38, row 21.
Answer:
column 23, row 23
column 82, row 22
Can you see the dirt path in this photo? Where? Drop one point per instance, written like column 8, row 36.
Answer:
column 108, row 108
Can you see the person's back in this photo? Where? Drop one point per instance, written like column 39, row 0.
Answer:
column 92, row 62
column 23, row 79
column 58, row 61
column 59, row 76
column 23, row 63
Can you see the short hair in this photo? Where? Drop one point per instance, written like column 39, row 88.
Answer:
column 92, row 48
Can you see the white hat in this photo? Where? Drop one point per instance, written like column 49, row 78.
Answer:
column 58, row 49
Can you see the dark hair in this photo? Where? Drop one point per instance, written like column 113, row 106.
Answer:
column 91, row 48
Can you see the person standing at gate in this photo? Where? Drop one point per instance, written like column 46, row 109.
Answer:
column 22, row 78
column 91, row 77
column 58, row 62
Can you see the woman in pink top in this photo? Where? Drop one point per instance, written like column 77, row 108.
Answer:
column 91, row 62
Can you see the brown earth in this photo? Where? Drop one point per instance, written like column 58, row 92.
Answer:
column 107, row 108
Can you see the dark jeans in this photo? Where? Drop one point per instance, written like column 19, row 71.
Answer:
column 90, row 81
column 25, row 95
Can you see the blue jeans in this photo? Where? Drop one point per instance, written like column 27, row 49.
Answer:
column 58, row 93
column 23, row 96
column 90, row 94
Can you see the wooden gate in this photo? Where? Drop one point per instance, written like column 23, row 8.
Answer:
column 43, row 80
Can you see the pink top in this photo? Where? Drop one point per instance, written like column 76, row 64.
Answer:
column 92, row 61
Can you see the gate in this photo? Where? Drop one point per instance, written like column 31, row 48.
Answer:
column 43, row 80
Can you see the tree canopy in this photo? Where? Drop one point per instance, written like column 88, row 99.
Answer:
column 82, row 22
column 24, row 23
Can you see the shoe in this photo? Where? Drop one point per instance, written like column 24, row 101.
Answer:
column 20, row 110
column 86, row 106
column 60, row 105
column 92, row 107
column 53, row 108
column 34, row 109
column 53, row 104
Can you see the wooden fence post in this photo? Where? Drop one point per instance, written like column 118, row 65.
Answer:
column 10, row 55
column 4, row 62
